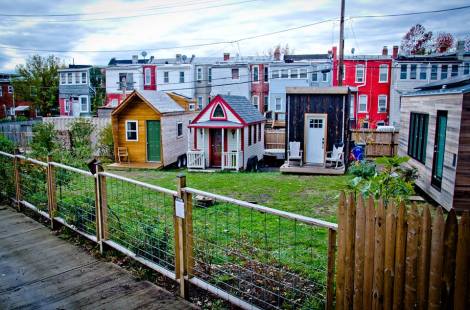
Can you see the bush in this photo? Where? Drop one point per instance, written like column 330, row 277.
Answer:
column 106, row 142
column 6, row 145
column 44, row 140
column 80, row 135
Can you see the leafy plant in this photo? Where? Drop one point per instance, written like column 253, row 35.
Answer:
column 106, row 142
column 80, row 134
column 44, row 140
column 6, row 145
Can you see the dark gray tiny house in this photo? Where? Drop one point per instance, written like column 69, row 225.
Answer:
column 309, row 110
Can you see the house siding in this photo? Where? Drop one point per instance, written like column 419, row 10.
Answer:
column 174, row 146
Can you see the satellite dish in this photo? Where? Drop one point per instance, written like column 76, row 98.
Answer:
column 144, row 53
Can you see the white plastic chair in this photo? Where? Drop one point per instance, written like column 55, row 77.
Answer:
column 294, row 152
column 335, row 157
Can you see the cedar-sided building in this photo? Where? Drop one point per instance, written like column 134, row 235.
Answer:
column 435, row 134
column 318, row 118
column 152, row 127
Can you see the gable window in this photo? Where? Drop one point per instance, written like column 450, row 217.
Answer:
column 382, row 103
column 266, row 74
column 10, row 89
column 69, row 78
column 218, row 112
column 275, row 74
column 466, row 68
column 209, row 75
column 132, row 131
column 278, row 104
column 314, row 76
column 83, row 104
column 147, row 76
column 455, row 70
column 199, row 102
column 77, row 77
column 294, row 73
column 181, row 76
column 62, row 78
column 166, row 77
column 418, row 136
column 255, row 74
column 403, row 72
column 255, row 101
column 179, row 129
column 383, row 73
column 413, row 68
column 303, row 73
column 284, row 73
column 351, row 108
column 324, row 76
column 199, row 74
column 423, row 72
column 66, row 105
column 362, row 106
column 434, row 72
column 235, row 74
column 359, row 73
column 444, row 72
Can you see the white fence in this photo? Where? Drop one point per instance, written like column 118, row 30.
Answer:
column 196, row 159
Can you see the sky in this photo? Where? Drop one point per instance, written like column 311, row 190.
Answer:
column 163, row 27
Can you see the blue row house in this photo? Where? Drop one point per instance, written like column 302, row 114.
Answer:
column 75, row 91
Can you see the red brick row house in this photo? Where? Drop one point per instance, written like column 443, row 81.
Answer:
column 9, row 104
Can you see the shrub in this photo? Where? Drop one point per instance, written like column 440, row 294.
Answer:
column 44, row 140
column 6, row 145
column 80, row 135
column 106, row 143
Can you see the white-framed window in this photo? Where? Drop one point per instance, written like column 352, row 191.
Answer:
column 255, row 73
column 132, row 131
column 275, row 74
column 403, row 72
column 423, row 72
column 294, row 73
column 383, row 73
column 235, row 74
column 209, row 75
column 84, row 104
column 278, row 104
column 266, row 103
column 351, row 107
column 284, row 73
column 10, row 89
column 192, row 106
column 199, row 74
column 166, row 77
column 365, row 125
column 444, row 71
column 147, row 76
column 324, row 76
column 360, row 73
column 255, row 101
column 199, row 102
column 303, row 73
column 66, row 105
column 381, row 123
column 413, row 70
column 314, row 76
column 69, row 78
column 77, row 78
column 179, row 129
column 382, row 104
column 63, row 77
column 84, row 78
column 181, row 76
column 266, row 73
column 434, row 69
column 466, row 68
column 454, row 71
column 362, row 106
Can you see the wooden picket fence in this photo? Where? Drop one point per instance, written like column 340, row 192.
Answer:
column 378, row 143
column 398, row 257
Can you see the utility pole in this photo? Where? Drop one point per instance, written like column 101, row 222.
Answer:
column 341, row 45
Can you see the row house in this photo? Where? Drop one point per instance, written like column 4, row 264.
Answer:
column 369, row 76
column 9, row 105
column 175, row 75
column 413, row 71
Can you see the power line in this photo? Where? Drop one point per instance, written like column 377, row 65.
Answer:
column 412, row 13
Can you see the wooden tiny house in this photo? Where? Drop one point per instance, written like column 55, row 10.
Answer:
column 435, row 134
column 318, row 118
column 227, row 134
column 152, row 128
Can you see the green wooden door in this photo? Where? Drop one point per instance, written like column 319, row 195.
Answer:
column 439, row 149
column 153, row 141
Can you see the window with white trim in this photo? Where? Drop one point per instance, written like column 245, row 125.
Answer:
column 362, row 106
column 235, row 74
column 132, row 131
column 423, row 72
column 351, row 107
column 434, row 69
column 199, row 102
column 382, row 103
column 199, row 74
column 255, row 101
column 294, row 73
column 383, row 73
column 275, row 74
column 62, row 78
column 255, row 73
column 324, row 76
column 179, row 129
column 266, row 103
column 303, row 73
column 381, row 123
column 413, row 70
column 77, row 78
column 10, row 89
column 84, row 78
column 166, row 77
column 285, row 73
column 209, row 75
column 454, row 71
column 181, row 76
column 66, row 105
column 466, row 68
column 84, row 104
column 278, row 104
column 69, row 78
column 266, row 73
column 359, row 73
column 403, row 72
column 444, row 71
column 314, row 76
column 147, row 76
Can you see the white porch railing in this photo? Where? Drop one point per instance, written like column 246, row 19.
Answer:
column 196, row 159
column 230, row 160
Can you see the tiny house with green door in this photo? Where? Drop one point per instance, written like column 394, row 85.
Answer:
column 435, row 134
column 151, row 128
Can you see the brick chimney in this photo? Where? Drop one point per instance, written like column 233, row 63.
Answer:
column 135, row 59
column 385, row 51
column 395, row 52
column 335, row 52
column 226, row 56
column 277, row 55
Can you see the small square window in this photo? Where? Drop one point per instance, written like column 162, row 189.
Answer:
column 131, row 131
column 179, row 129
column 235, row 74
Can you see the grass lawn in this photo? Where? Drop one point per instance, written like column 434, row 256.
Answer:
column 314, row 196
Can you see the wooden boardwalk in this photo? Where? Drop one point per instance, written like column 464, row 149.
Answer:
column 40, row 271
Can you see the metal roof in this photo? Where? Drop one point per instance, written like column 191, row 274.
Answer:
column 244, row 108
column 449, row 83
column 161, row 101
column 462, row 89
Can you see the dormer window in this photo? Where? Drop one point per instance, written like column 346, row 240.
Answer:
column 218, row 112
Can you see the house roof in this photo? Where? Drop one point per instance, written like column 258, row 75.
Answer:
column 338, row 90
column 158, row 100
column 244, row 108
column 114, row 62
column 216, row 124
column 431, row 57
column 307, row 57
column 457, row 85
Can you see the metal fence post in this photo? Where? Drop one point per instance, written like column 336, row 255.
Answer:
column 51, row 190
column 101, row 206
column 180, row 238
column 17, row 183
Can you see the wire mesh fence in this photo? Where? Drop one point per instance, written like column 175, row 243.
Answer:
column 264, row 259
column 7, row 176
column 33, row 183
column 140, row 219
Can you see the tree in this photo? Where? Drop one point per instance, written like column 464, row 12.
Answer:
column 467, row 43
column 443, row 42
column 97, row 80
column 38, row 82
column 416, row 41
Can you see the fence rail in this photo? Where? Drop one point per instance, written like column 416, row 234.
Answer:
column 251, row 255
column 378, row 143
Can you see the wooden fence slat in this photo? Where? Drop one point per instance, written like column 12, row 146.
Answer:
column 448, row 272
column 377, row 297
column 349, row 255
column 400, row 247
column 369, row 248
column 331, row 269
column 359, row 254
column 462, row 270
column 411, row 267
column 341, row 251
column 389, row 265
column 423, row 260
column 437, row 261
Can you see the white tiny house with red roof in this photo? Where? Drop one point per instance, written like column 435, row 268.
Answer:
column 227, row 134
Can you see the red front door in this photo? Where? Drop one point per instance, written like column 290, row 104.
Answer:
column 216, row 147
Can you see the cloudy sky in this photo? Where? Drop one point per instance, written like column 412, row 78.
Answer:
column 78, row 30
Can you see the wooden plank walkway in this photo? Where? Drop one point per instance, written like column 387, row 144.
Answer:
column 40, row 271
